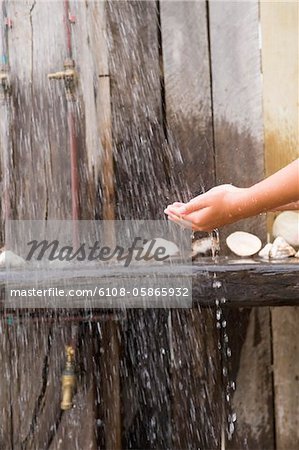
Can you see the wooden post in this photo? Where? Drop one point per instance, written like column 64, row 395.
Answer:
column 237, row 111
column 279, row 26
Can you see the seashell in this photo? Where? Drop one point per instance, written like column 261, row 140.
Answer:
column 171, row 249
column 281, row 249
column 297, row 254
column 204, row 246
column 243, row 244
column 265, row 251
column 10, row 259
column 286, row 225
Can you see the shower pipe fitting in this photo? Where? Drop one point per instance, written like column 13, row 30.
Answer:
column 69, row 76
column 68, row 380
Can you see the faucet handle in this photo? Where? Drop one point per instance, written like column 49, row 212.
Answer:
column 68, row 380
column 69, row 76
column 56, row 75
column 62, row 75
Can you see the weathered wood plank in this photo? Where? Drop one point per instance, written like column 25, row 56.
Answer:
column 140, row 174
column 136, row 109
column 286, row 376
column 94, row 88
column 34, row 115
column 195, row 382
column 188, row 91
column 42, row 167
column 237, row 110
column 237, row 99
column 244, row 284
column 6, row 400
column 279, row 26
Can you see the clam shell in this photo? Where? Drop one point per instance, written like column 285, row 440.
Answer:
column 265, row 251
column 203, row 246
column 281, row 249
column 243, row 244
column 10, row 259
column 171, row 249
column 286, row 225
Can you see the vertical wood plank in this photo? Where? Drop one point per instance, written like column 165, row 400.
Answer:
column 42, row 167
column 34, row 114
column 237, row 108
column 279, row 25
column 91, row 59
column 6, row 401
column 136, row 109
column 196, row 382
column 138, row 137
column 237, row 99
column 188, row 90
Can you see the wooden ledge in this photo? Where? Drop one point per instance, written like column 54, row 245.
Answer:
column 234, row 282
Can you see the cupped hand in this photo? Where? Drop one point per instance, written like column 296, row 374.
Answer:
column 219, row 206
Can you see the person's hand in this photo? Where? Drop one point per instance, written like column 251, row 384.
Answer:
column 219, row 206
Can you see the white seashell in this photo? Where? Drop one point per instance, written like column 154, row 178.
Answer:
column 243, row 244
column 281, row 249
column 286, row 225
column 171, row 249
column 204, row 246
column 10, row 259
column 297, row 254
column 265, row 251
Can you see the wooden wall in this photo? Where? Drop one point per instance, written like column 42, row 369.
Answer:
column 186, row 110
column 280, row 58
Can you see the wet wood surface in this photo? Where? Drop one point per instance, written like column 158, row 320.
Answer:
column 254, row 283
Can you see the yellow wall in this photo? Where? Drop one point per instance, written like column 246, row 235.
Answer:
column 279, row 28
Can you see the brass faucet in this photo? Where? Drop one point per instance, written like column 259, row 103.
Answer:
column 69, row 76
column 4, row 82
column 68, row 380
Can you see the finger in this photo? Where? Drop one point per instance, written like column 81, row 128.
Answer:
column 174, row 205
column 201, row 220
column 199, row 202
column 178, row 204
column 181, row 222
